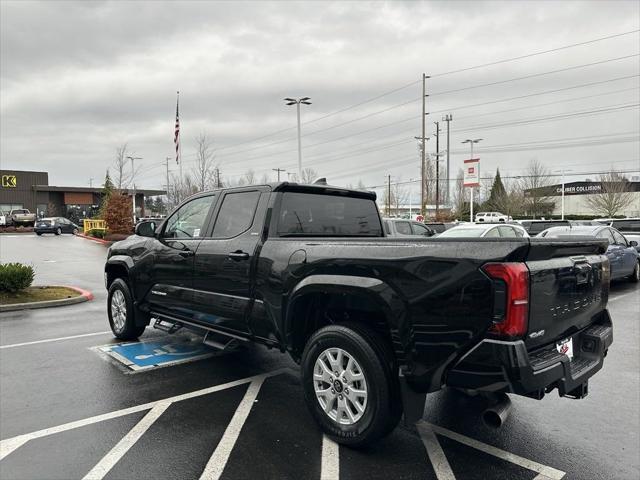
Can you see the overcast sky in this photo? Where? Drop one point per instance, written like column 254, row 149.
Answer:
column 80, row 78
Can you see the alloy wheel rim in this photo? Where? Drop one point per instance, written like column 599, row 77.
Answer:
column 118, row 310
column 340, row 386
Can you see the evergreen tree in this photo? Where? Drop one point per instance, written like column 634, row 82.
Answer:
column 498, row 193
column 107, row 191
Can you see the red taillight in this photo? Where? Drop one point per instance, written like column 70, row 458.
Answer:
column 516, row 314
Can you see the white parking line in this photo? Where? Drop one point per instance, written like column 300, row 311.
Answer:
column 544, row 470
column 47, row 340
column 103, row 467
column 220, row 456
column 438, row 459
column 8, row 445
column 330, row 466
column 618, row 297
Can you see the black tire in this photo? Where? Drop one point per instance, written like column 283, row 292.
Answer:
column 383, row 408
column 39, row 234
column 58, row 231
column 635, row 276
column 75, row 231
column 128, row 329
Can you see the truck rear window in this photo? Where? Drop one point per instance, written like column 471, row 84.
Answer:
column 310, row 214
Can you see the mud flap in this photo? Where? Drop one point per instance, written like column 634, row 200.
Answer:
column 412, row 402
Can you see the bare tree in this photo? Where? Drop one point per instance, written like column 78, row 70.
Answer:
column 248, row 178
column 400, row 196
column 264, row 179
column 535, row 184
column 309, row 175
column 122, row 175
column 613, row 197
column 203, row 171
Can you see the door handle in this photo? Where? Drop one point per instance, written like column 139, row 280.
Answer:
column 186, row 253
column 238, row 255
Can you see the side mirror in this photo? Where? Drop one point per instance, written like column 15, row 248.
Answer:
column 146, row 229
column 633, row 243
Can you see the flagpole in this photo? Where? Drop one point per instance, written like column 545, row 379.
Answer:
column 180, row 157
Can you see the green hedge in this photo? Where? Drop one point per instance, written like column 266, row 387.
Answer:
column 97, row 233
column 15, row 277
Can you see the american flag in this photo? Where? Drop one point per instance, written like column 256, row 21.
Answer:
column 176, row 138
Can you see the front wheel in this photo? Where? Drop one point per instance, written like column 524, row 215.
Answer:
column 635, row 276
column 120, row 311
column 75, row 231
column 58, row 231
column 349, row 384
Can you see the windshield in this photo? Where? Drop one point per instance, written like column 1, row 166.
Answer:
column 463, row 232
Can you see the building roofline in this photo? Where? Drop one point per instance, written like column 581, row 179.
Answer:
column 53, row 188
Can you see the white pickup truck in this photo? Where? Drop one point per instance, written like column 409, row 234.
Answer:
column 21, row 216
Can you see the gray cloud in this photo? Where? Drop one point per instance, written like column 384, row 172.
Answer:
column 79, row 78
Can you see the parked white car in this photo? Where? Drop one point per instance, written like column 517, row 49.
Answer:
column 469, row 230
column 492, row 217
column 3, row 218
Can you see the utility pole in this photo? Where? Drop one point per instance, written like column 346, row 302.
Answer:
column 91, row 182
column 447, row 118
column 437, row 167
column 217, row 177
column 424, row 146
column 388, row 195
column 278, row 170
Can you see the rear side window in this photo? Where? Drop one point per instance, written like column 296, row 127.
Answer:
column 236, row 214
column 507, row 232
column 606, row 234
column 626, row 225
column 327, row 215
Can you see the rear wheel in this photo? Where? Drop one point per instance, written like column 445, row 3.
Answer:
column 75, row 231
column 58, row 231
column 39, row 233
column 349, row 384
column 121, row 312
column 635, row 276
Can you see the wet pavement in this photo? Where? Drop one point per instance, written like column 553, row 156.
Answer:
column 69, row 410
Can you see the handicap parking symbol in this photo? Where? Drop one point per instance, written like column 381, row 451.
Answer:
column 147, row 355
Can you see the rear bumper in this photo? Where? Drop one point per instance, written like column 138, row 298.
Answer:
column 500, row 366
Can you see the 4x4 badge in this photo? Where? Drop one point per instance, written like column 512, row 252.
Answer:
column 537, row 334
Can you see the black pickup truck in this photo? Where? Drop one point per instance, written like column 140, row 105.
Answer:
column 375, row 323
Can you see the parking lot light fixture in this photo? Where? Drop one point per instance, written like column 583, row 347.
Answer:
column 297, row 102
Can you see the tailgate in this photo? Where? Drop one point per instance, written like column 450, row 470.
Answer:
column 569, row 287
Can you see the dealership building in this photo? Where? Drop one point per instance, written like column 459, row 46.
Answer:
column 576, row 195
column 31, row 190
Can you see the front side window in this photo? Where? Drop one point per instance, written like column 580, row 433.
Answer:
column 188, row 221
column 419, row 229
column 236, row 214
column 328, row 215
column 619, row 239
column 403, row 228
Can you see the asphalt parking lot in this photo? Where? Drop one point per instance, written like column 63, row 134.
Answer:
column 69, row 408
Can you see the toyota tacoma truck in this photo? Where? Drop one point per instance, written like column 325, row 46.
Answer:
column 375, row 323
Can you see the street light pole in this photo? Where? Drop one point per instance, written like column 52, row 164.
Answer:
column 562, row 170
column 471, row 142
column 297, row 102
column 447, row 118
column 133, row 173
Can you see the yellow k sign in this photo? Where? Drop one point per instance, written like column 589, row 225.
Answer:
column 9, row 181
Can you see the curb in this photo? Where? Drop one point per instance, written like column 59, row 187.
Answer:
column 98, row 240
column 84, row 296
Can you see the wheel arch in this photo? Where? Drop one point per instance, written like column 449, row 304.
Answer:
column 117, row 266
column 321, row 300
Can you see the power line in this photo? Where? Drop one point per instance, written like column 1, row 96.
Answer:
column 534, row 75
column 608, row 37
column 535, row 54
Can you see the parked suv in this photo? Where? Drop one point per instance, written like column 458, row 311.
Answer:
column 375, row 323
column 397, row 227
column 492, row 217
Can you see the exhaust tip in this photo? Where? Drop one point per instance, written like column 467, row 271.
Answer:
column 496, row 414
